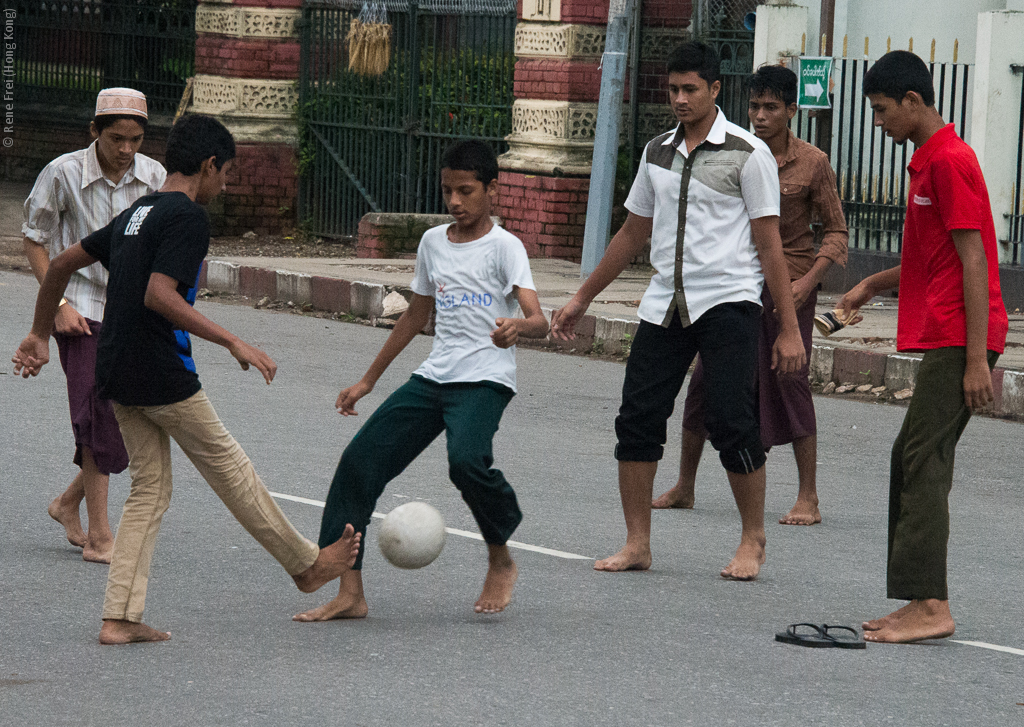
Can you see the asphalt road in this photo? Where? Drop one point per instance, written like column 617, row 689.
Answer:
column 676, row 645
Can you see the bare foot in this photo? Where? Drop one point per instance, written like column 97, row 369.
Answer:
column 71, row 521
column 344, row 605
column 97, row 556
column 803, row 513
column 747, row 562
column 127, row 632
column 917, row 621
column 98, row 550
column 892, row 618
column 674, row 498
column 501, row 579
column 333, row 560
column 349, row 603
column 629, row 558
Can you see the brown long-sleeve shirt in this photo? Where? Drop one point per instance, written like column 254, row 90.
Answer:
column 809, row 193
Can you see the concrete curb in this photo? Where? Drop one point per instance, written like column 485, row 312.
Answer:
column 595, row 333
column 898, row 371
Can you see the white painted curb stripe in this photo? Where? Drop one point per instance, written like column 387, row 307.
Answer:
column 993, row 647
column 453, row 531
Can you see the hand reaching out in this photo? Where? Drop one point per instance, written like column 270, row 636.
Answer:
column 246, row 355
column 564, row 320
column 31, row 356
column 348, row 397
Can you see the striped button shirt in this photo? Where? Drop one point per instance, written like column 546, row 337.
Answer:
column 72, row 199
column 702, row 204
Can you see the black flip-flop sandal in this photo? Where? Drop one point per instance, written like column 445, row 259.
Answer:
column 816, row 640
column 844, row 642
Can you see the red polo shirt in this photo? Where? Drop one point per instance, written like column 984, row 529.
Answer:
column 947, row 192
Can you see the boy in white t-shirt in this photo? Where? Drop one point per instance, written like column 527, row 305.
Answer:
column 474, row 273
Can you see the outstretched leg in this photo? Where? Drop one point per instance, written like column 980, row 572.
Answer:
column 195, row 426
column 805, row 511
column 636, row 483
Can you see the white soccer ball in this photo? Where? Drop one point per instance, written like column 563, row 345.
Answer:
column 412, row 535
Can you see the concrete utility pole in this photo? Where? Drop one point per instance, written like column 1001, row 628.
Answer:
column 826, row 29
column 606, row 137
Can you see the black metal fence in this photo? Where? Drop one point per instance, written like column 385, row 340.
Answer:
column 736, row 51
column 1016, row 236
column 67, row 50
column 374, row 143
column 870, row 168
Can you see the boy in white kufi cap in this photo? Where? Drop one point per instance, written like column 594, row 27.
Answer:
column 75, row 195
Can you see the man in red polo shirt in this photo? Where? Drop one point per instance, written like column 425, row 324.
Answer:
column 951, row 309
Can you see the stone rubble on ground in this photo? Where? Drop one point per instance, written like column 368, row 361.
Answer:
column 395, row 305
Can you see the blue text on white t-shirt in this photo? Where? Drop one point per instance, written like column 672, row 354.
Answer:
column 449, row 301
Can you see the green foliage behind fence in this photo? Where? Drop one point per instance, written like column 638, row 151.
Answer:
column 374, row 144
column 68, row 50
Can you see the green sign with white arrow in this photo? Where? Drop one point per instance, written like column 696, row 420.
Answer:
column 813, row 82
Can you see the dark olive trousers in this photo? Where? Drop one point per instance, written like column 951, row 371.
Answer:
column 399, row 430
column 921, row 476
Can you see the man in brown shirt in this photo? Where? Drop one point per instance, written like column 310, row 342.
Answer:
column 809, row 193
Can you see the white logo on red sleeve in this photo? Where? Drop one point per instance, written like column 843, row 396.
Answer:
column 918, row 199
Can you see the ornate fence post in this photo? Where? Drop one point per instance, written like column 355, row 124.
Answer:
column 247, row 64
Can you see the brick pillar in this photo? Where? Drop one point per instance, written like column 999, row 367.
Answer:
column 247, row 65
column 545, row 176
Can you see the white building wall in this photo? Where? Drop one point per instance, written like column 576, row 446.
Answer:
column 945, row 21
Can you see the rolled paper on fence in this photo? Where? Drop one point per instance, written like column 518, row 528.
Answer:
column 831, row 321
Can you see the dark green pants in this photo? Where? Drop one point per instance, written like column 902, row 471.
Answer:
column 921, row 476
column 401, row 428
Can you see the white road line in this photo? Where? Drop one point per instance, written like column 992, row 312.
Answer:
column 993, row 647
column 453, row 531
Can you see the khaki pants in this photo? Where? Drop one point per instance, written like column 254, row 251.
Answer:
column 194, row 425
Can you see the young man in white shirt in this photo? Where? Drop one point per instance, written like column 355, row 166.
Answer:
column 476, row 275
column 707, row 194
column 75, row 195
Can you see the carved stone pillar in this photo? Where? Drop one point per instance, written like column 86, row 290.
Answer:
column 247, row 65
column 545, row 174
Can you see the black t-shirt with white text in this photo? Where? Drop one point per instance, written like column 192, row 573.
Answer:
column 139, row 360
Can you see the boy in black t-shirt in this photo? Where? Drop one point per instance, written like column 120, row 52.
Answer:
column 154, row 251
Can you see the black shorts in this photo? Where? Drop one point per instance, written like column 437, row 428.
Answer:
column 726, row 339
